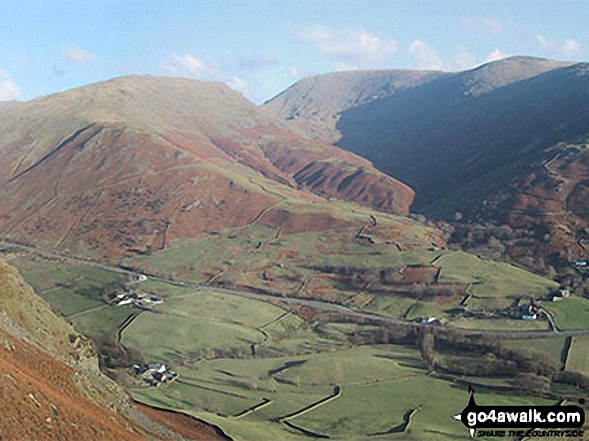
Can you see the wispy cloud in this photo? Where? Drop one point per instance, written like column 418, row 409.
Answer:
column 495, row 56
column 9, row 90
column 351, row 46
column 184, row 65
column 425, row 56
column 567, row 48
column 79, row 55
column 295, row 73
column 493, row 26
column 244, row 63
column 189, row 66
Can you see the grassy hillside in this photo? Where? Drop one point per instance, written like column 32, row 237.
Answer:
column 135, row 162
column 52, row 388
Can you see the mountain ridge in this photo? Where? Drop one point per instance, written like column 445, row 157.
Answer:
column 136, row 162
column 476, row 143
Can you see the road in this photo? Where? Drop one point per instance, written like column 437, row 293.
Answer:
column 323, row 306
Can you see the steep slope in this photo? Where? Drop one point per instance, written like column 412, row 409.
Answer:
column 504, row 142
column 316, row 103
column 136, row 162
column 51, row 387
column 6, row 104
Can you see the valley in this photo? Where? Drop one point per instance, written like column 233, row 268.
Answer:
column 231, row 264
column 500, row 144
column 251, row 360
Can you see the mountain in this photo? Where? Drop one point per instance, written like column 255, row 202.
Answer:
column 315, row 103
column 6, row 104
column 504, row 142
column 51, row 386
column 136, row 162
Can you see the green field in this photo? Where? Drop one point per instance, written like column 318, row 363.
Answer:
column 100, row 322
column 578, row 360
column 233, row 352
column 379, row 384
column 70, row 289
column 321, row 265
column 570, row 313
column 360, row 364
column 373, row 409
column 553, row 347
column 492, row 279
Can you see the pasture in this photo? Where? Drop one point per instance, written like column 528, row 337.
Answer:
column 578, row 360
column 234, row 353
column 570, row 313
column 334, row 266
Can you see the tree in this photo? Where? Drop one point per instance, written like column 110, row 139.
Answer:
column 428, row 353
column 272, row 385
column 532, row 382
column 253, row 384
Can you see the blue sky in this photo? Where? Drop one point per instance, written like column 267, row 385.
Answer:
column 259, row 47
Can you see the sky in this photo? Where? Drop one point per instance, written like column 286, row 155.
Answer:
column 260, row 47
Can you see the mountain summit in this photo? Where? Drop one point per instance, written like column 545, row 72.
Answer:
column 136, row 162
column 504, row 142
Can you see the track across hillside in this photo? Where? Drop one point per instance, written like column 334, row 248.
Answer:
column 323, row 306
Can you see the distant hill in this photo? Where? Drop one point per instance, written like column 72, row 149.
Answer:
column 478, row 142
column 316, row 103
column 7, row 104
column 136, row 162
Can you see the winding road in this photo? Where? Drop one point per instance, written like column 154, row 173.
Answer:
column 323, row 306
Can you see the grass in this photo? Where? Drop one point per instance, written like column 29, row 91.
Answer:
column 578, row 360
column 377, row 408
column 492, row 279
column 175, row 338
column 379, row 385
column 551, row 346
column 207, row 335
column 357, row 365
column 70, row 289
column 201, row 321
column 257, row 257
column 101, row 322
column 501, row 324
column 571, row 313
column 68, row 301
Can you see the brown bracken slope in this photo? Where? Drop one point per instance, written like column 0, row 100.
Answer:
column 136, row 162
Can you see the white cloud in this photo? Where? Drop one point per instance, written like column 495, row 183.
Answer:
column 567, row 48
column 189, row 66
column 495, row 55
column 571, row 47
column 183, row 65
column 490, row 25
column 460, row 61
column 9, row 90
column 79, row 55
column 294, row 72
column 495, row 27
column 356, row 46
column 425, row 56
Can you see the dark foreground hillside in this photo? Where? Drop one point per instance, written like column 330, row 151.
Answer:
column 503, row 143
